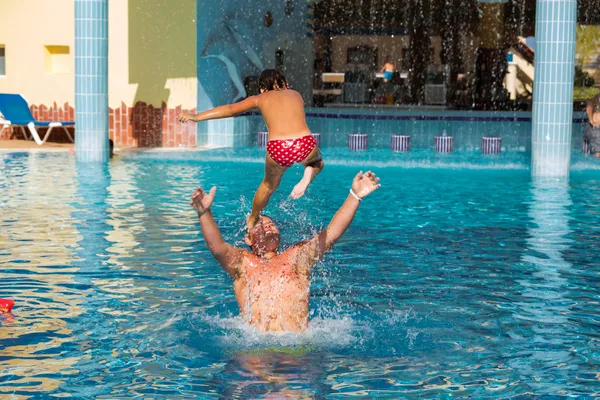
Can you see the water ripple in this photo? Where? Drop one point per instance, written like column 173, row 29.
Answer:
column 472, row 283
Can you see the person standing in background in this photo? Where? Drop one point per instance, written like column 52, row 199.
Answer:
column 387, row 70
column 591, row 131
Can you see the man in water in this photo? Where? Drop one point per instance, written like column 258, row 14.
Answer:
column 272, row 289
column 592, row 128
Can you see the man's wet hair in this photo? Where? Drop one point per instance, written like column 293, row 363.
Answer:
column 258, row 226
column 272, row 79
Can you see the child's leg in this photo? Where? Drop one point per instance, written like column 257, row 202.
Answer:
column 312, row 166
column 271, row 181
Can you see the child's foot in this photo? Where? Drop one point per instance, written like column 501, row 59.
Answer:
column 300, row 188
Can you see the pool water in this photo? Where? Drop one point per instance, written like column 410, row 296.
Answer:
column 458, row 278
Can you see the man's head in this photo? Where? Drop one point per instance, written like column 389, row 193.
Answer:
column 271, row 79
column 264, row 237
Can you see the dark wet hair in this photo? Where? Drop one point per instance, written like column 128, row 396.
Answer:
column 258, row 245
column 272, row 79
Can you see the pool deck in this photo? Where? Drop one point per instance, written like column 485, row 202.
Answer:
column 16, row 145
column 8, row 146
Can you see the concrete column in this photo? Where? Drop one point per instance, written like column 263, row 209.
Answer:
column 91, row 80
column 553, row 87
column 491, row 57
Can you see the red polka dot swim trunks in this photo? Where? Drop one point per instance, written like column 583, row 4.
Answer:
column 289, row 151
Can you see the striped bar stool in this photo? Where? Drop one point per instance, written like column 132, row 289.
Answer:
column 585, row 147
column 357, row 141
column 400, row 143
column 317, row 137
column 262, row 139
column 491, row 144
column 443, row 144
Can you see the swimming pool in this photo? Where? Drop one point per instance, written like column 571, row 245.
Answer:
column 459, row 278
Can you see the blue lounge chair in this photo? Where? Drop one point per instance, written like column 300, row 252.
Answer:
column 15, row 112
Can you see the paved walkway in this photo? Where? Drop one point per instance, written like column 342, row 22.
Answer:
column 30, row 145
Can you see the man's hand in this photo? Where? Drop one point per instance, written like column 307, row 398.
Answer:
column 202, row 201
column 185, row 117
column 365, row 184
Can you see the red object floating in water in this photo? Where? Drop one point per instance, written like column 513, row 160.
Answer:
column 6, row 305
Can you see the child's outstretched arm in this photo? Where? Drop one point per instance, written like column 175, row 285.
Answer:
column 226, row 111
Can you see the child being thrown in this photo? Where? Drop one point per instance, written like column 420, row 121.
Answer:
column 290, row 141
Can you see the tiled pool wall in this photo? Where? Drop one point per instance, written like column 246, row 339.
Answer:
column 147, row 126
column 334, row 125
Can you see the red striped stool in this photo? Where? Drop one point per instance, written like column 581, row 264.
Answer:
column 317, row 137
column 491, row 144
column 357, row 141
column 263, row 138
column 585, row 147
column 443, row 144
column 400, row 143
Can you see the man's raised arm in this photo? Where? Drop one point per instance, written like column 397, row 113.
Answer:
column 228, row 256
column 315, row 248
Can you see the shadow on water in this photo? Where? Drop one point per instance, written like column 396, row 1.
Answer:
column 542, row 314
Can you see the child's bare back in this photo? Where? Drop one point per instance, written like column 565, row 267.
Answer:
column 283, row 111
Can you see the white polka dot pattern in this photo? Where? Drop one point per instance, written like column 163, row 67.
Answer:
column 290, row 151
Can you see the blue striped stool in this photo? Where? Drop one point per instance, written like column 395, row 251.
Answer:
column 262, row 139
column 443, row 144
column 400, row 143
column 585, row 147
column 357, row 141
column 317, row 137
column 491, row 144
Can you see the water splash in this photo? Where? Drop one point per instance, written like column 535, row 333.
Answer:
column 322, row 333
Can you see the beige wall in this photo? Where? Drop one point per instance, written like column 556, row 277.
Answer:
column 52, row 24
column 119, row 87
column 26, row 26
column 162, row 40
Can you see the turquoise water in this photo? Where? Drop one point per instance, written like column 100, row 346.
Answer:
column 460, row 278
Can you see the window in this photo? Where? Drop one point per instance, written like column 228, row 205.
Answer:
column 2, row 61
column 57, row 60
column 362, row 55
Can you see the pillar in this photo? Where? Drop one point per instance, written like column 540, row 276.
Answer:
column 553, row 87
column 491, row 57
column 91, row 80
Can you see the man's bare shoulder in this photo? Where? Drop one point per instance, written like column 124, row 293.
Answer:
column 248, row 256
column 290, row 250
column 301, row 253
column 301, row 245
